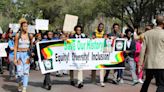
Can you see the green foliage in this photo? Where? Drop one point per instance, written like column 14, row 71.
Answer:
column 88, row 10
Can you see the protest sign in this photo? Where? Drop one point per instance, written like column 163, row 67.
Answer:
column 70, row 22
column 3, row 46
column 41, row 24
column 15, row 27
column 1, row 31
column 74, row 54
column 31, row 29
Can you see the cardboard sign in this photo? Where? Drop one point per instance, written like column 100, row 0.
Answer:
column 31, row 29
column 41, row 24
column 1, row 32
column 3, row 46
column 14, row 27
column 70, row 22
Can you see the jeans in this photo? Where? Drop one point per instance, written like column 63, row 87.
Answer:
column 23, row 68
column 120, row 73
column 132, row 65
column 11, row 66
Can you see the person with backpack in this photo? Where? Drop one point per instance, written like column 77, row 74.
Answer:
column 23, row 42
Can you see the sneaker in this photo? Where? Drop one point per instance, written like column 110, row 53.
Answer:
column 80, row 85
column 115, row 82
column 19, row 87
column 121, row 81
column 102, row 84
column 135, row 83
column 49, row 87
column 24, row 89
column 140, row 80
column 72, row 83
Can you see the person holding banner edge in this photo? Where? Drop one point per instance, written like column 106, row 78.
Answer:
column 99, row 33
column 47, row 79
column 23, row 42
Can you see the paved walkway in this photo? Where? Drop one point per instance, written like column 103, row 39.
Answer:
column 61, row 84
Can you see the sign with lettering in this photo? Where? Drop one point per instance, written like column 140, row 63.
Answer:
column 3, row 46
column 74, row 54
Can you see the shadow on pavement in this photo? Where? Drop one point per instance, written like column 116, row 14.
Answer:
column 36, row 84
column 6, row 78
column 9, row 88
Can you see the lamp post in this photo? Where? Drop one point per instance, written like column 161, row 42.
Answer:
column 122, row 17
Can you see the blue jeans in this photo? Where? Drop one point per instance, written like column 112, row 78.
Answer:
column 23, row 68
column 120, row 73
column 132, row 65
column 11, row 66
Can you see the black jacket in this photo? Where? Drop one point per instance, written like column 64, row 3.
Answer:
column 132, row 49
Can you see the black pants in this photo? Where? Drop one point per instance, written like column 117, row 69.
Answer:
column 106, row 75
column 159, row 77
column 119, row 75
column 47, row 79
column 149, row 76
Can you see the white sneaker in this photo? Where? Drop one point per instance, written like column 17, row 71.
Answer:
column 24, row 89
column 140, row 80
column 121, row 81
column 102, row 84
column 19, row 87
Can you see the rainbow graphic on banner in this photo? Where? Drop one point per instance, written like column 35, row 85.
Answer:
column 47, row 52
column 119, row 59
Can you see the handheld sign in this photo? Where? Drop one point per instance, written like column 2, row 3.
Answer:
column 3, row 46
column 41, row 24
column 1, row 30
column 31, row 29
column 69, row 23
column 14, row 27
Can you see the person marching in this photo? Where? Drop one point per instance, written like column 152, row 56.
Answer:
column 99, row 33
column 23, row 42
column 78, row 35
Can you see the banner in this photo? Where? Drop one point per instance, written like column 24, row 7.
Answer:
column 70, row 22
column 75, row 54
column 3, row 46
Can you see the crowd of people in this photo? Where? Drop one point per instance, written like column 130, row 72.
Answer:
column 22, row 55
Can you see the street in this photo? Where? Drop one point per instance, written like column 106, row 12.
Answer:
column 61, row 84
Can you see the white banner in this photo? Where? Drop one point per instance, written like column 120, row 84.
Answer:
column 74, row 54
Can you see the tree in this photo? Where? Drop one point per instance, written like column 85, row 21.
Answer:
column 135, row 11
